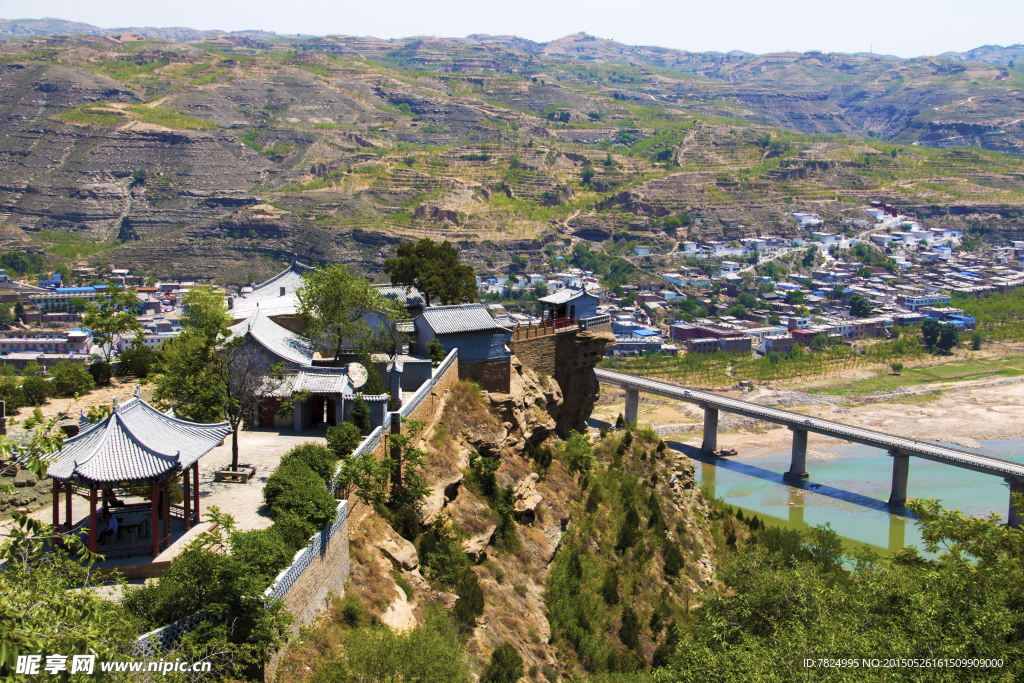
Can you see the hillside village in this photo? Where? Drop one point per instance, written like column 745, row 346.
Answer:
column 844, row 287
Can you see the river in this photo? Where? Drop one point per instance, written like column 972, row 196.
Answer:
column 848, row 488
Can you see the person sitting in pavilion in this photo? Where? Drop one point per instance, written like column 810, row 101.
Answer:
column 111, row 521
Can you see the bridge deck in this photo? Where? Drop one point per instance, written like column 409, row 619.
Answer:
column 951, row 456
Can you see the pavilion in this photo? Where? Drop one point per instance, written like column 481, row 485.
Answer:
column 135, row 446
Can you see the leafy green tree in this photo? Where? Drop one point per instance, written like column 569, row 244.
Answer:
column 434, row 270
column 36, row 390
column 361, row 415
column 579, row 453
column 587, row 175
column 506, row 666
column 795, row 297
column 860, row 307
column 112, row 318
column 10, row 390
column 339, row 308
column 436, row 351
column 343, row 439
column 138, row 361
column 610, row 587
column 6, row 317
column 930, row 331
column 188, row 380
column 747, row 299
column 977, row 340
column 897, row 367
column 71, row 379
column 949, row 338
column 205, row 312
column 630, row 631
column 430, row 652
column 540, row 290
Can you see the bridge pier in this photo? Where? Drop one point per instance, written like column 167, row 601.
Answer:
column 900, row 469
column 798, row 465
column 1016, row 516
column 632, row 405
column 710, row 430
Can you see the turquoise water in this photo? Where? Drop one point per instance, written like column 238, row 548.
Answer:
column 848, row 488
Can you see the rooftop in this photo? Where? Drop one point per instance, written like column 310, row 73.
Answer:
column 461, row 318
column 277, row 340
column 136, row 442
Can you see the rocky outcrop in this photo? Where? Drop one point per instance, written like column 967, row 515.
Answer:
column 476, row 545
column 529, row 411
column 578, row 354
column 401, row 552
column 526, row 497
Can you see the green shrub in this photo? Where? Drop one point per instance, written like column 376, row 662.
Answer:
column 506, row 666
column 630, row 631
column 35, row 389
column 343, row 439
column 138, row 361
column 579, row 452
column 71, row 379
column 674, row 561
column 296, row 488
column 293, row 531
column 318, row 457
column 100, row 372
column 262, row 549
column 610, row 588
column 406, row 522
column 10, row 393
column 470, row 604
column 361, row 412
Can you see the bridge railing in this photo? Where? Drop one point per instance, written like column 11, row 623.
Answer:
column 827, row 426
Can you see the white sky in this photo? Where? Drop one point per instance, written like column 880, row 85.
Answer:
column 906, row 28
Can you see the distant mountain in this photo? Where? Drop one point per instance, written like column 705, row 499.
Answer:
column 23, row 28
column 988, row 54
column 48, row 26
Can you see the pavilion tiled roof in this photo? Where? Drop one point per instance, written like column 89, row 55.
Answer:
column 279, row 341
column 135, row 443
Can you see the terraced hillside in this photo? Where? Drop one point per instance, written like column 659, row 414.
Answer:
column 233, row 153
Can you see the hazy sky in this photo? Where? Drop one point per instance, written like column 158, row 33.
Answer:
column 901, row 27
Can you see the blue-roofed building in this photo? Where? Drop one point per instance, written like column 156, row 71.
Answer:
column 484, row 356
column 60, row 298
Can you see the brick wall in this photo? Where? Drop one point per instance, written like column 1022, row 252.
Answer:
column 537, row 353
column 494, row 376
column 319, row 569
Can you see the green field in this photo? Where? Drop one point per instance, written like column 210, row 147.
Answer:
column 953, row 371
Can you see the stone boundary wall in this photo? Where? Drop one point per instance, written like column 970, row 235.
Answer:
column 318, row 570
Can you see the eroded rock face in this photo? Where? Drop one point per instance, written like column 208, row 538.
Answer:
column 578, row 354
column 529, row 410
column 526, row 496
column 401, row 552
column 476, row 546
column 443, row 492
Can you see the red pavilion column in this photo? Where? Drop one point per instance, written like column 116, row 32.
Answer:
column 156, row 522
column 167, row 511
column 69, row 490
column 195, row 488
column 188, row 501
column 92, row 520
column 56, row 511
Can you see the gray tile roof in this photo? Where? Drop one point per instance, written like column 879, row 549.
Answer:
column 563, row 295
column 266, row 296
column 409, row 297
column 323, row 381
column 136, row 442
column 279, row 341
column 456, row 319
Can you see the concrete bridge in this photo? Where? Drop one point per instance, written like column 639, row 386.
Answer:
column 899, row 448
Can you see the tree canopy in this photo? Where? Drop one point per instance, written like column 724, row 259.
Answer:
column 341, row 310
column 434, row 270
column 112, row 318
